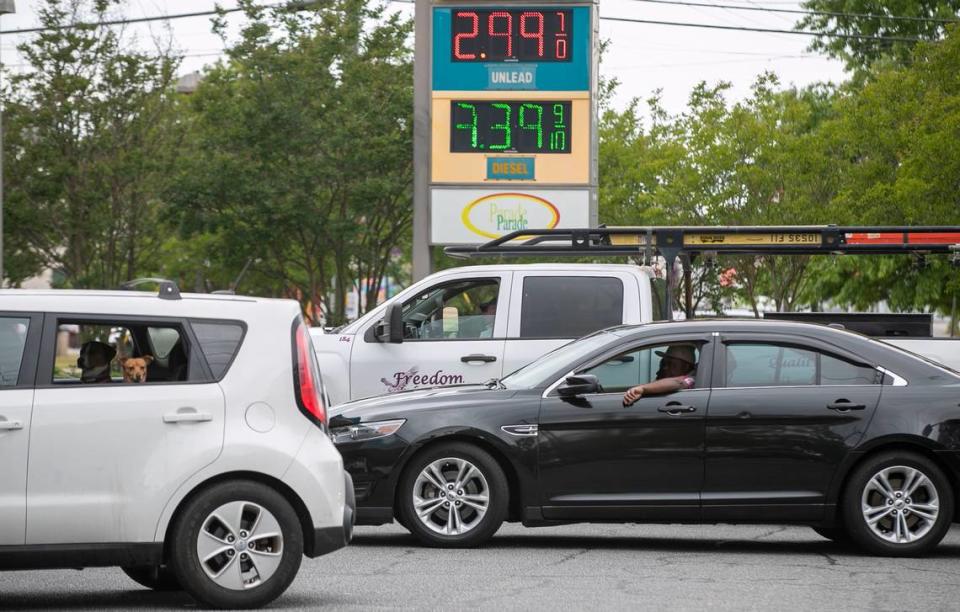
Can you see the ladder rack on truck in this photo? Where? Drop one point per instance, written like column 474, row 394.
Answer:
column 688, row 242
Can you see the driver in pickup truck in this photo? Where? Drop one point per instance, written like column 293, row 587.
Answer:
column 678, row 370
column 489, row 311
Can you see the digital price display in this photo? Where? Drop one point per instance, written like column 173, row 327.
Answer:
column 509, row 126
column 511, row 35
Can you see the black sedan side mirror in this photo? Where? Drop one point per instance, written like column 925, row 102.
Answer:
column 581, row 384
column 390, row 328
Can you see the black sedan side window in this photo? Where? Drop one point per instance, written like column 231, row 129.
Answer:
column 835, row 371
column 774, row 365
column 641, row 366
column 769, row 365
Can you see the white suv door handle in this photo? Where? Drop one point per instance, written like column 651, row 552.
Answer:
column 10, row 425
column 187, row 415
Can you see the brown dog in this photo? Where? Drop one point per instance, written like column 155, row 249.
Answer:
column 135, row 368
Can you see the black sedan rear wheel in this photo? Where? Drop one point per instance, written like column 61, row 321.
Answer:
column 453, row 495
column 898, row 504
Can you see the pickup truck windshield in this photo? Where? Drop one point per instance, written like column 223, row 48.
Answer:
column 536, row 374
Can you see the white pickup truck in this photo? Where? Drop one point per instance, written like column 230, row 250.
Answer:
column 471, row 324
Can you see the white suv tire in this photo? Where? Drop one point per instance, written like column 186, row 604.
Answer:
column 223, row 546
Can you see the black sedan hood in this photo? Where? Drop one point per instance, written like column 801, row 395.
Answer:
column 399, row 405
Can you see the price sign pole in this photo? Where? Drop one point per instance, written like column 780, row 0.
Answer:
column 506, row 119
column 422, row 259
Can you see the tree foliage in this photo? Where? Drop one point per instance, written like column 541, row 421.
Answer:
column 895, row 145
column 299, row 153
column 890, row 19
column 881, row 153
column 90, row 135
column 293, row 158
column 749, row 163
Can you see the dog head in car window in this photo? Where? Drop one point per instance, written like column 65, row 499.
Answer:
column 94, row 361
column 135, row 368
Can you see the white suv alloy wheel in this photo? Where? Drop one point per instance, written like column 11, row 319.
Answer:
column 240, row 545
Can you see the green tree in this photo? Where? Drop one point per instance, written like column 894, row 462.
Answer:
column 300, row 152
column 90, row 136
column 896, row 148
column 754, row 162
column 920, row 19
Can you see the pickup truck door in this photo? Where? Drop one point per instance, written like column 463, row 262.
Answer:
column 453, row 334
column 19, row 339
column 552, row 307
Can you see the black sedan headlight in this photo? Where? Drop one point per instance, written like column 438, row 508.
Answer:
column 361, row 432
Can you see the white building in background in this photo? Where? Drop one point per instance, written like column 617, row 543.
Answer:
column 43, row 281
column 187, row 84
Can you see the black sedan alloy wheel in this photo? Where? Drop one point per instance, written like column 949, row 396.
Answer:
column 898, row 504
column 453, row 495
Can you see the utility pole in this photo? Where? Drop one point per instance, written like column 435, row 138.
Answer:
column 422, row 260
column 7, row 7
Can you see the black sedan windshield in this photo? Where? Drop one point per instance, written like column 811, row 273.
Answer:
column 536, row 374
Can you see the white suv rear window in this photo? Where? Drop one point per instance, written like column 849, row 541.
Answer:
column 13, row 338
column 219, row 342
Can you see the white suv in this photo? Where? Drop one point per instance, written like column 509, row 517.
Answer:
column 213, row 474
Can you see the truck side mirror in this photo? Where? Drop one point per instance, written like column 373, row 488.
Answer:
column 581, row 384
column 390, row 327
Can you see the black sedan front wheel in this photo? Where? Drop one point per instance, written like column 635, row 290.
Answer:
column 898, row 504
column 453, row 495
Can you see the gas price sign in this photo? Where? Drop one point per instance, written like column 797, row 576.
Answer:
column 510, row 123
column 533, row 48
column 511, row 35
column 510, row 126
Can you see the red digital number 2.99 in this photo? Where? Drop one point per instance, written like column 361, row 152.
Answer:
column 474, row 31
column 506, row 33
column 511, row 35
column 536, row 32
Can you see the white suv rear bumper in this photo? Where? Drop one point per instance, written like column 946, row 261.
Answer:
column 317, row 475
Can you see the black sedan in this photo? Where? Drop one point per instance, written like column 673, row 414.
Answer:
column 778, row 422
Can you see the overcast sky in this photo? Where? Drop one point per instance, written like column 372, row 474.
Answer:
column 643, row 57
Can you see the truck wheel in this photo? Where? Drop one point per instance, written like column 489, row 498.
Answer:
column 453, row 495
column 156, row 577
column 898, row 504
column 236, row 545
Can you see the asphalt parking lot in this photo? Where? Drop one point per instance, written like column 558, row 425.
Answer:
column 574, row 567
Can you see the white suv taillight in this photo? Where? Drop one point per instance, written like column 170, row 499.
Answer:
column 306, row 376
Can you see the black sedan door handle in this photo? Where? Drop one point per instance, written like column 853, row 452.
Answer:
column 483, row 358
column 675, row 408
column 842, row 405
